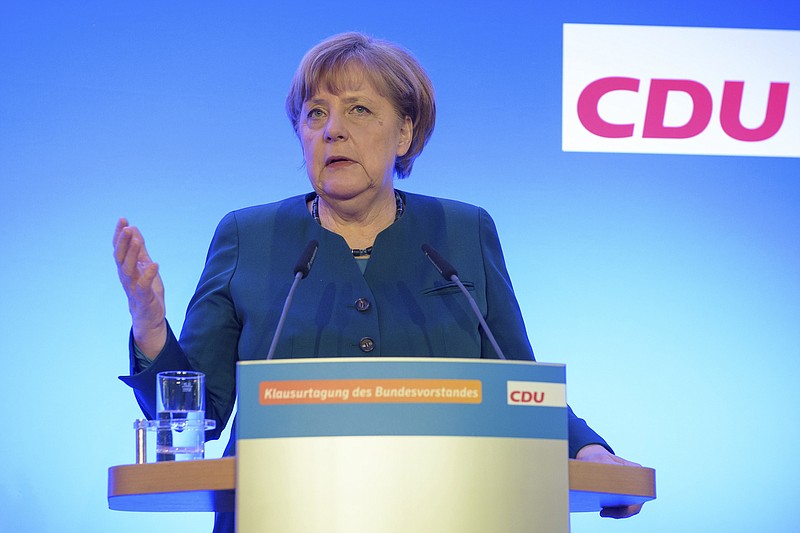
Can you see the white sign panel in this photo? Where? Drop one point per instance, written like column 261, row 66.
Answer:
column 678, row 90
column 536, row 394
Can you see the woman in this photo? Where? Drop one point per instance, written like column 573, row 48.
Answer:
column 363, row 110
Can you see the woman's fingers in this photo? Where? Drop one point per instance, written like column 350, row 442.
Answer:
column 137, row 272
column 122, row 241
column 122, row 223
column 147, row 273
column 130, row 262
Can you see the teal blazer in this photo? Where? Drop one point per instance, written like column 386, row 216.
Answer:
column 399, row 306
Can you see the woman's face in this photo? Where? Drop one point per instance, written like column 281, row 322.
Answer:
column 351, row 139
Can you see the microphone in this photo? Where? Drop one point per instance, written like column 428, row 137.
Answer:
column 306, row 259
column 301, row 270
column 449, row 273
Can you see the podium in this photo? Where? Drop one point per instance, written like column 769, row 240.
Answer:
column 391, row 445
column 210, row 486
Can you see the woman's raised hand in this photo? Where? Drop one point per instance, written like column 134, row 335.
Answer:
column 143, row 287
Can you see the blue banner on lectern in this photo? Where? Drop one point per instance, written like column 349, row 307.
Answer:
column 353, row 397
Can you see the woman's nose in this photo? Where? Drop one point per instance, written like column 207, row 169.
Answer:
column 335, row 129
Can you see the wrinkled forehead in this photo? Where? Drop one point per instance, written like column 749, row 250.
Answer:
column 340, row 77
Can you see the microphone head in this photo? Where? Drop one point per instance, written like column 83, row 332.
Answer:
column 303, row 265
column 445, row 269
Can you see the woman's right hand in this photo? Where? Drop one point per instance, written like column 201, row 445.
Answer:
column 143, row 287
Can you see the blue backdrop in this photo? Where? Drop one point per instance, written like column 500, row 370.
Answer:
column 669, row 285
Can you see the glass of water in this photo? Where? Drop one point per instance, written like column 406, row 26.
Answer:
column 180, row 423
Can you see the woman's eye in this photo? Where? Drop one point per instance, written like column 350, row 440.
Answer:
column 316, row 113
column 360, row 110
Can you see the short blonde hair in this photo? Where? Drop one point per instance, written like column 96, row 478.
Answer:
column 394, row 72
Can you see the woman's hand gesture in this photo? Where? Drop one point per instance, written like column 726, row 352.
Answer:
column 143, row 287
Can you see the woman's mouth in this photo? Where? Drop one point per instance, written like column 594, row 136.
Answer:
column 338, row 162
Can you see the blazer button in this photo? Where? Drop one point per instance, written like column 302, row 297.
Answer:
column 362, row 304
column 366, row 344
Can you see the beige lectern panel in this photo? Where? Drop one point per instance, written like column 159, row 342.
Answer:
column 394, row 484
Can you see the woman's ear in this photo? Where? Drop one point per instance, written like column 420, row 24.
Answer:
column 406, row 136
